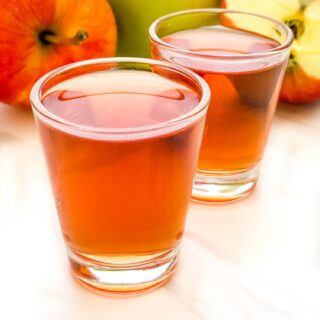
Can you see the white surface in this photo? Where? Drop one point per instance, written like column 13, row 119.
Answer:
column 254, row 260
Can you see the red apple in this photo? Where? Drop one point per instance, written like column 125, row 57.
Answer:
column 37, row 36
column 301, row 83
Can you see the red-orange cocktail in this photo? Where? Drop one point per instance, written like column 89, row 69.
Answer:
column 122, row 139
column 238, row 55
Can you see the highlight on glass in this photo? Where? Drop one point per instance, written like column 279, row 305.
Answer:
column 242, row 56
column 121, row 138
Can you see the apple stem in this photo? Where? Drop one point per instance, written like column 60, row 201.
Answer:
column 77, row 39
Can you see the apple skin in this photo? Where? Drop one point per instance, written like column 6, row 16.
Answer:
column 37, row 36
column 298, row 87
column 134, row 18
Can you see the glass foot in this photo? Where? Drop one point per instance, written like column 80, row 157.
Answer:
column 124, row 275
column 223, row 187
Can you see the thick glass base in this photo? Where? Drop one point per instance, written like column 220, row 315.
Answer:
column 222, row 187
column 124, row 275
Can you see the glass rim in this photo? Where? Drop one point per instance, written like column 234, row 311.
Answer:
column 153, row 36
column 39, row 108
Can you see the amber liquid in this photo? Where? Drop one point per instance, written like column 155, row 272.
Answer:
column 115, row 194
column 243, row 99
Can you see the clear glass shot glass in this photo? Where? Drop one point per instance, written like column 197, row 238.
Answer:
column 121, row 138
column 243, row 57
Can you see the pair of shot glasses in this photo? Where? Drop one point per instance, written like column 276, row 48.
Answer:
column 128, row 141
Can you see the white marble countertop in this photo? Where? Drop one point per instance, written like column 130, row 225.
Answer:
column 253, row 260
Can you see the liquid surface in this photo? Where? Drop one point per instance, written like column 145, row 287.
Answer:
column 120, row 99
column 220, row 40
column 121, row 198
column 242, row 103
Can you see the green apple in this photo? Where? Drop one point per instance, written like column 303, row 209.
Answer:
column 134, row 18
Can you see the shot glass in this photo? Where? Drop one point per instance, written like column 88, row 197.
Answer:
column 242, row 56
column 121, row 138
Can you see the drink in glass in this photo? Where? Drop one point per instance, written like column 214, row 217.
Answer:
column 242, row 57
column 121, row 138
